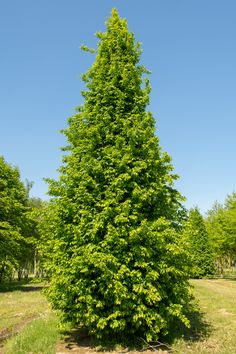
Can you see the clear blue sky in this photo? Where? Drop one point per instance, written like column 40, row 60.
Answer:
column 189, row 45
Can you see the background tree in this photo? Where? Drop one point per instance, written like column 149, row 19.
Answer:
column 18, row 224
column 117, row 261
column 32, row 235
column 230, row 224
column 13, row 200
column 199, row 245
column 221, row 226
column 45, row 218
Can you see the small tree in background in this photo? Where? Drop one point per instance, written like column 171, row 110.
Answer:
column 200, row 247
column 117, row 261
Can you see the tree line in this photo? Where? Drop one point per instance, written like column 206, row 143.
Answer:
column 115, row 240
column 212, row 239
column 27, row 226
column 19, row 236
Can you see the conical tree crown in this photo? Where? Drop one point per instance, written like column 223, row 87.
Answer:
column 116, row 253
column 116, row 75
column 112, row 136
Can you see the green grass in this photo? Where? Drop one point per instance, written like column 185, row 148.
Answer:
column 20, row 303
column 27, row 324
column 214, row 329
column 40, row 336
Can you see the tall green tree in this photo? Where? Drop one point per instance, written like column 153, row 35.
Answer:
column 199, row 245
column 13, row 200
column 117, row 261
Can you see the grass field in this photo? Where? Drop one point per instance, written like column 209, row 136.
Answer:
column 20, row 303
column 215, row 332
column 25, row 316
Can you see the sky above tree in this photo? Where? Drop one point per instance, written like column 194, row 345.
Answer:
column 187, row 45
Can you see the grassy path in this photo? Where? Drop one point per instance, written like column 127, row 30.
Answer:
column 22, row 307
column 20, row 303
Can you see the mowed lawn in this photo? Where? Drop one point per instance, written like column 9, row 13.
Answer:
column 213, row 331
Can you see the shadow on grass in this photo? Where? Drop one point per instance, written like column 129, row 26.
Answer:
column 25, row 285
column 80, row 339
column 229, row 277
column 200, row 329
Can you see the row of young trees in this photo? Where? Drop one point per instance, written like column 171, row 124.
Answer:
column 212, row 240
column 26, row 228
column 18, row 231
column 115, row 239
column 221, row 228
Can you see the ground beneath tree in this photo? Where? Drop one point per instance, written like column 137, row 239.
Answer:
column 79, row 342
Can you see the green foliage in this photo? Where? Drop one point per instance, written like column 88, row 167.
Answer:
column 32, row 234
column 46, row 222
column 13, row 194
column 199, row 245
column 116, row 259
column 18, row 225
column 221, row 226
column 13, row 198
column 230, row 223
column 40, row 336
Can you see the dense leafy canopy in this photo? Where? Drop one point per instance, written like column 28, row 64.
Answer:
column 117, row 262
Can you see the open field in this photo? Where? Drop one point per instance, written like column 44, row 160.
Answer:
column 24, row 310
